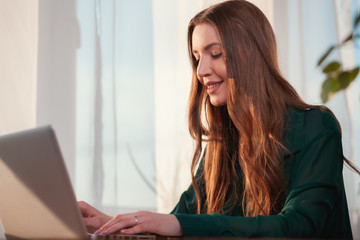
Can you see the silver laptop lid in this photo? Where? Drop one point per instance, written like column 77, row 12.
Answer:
column 37, row 200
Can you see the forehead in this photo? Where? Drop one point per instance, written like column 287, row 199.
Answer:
column 203, row 35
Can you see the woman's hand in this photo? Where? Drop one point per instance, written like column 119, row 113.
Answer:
column 93, row 218
column 143, row 222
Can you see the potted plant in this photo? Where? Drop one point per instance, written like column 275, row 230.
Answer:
column 337, row 78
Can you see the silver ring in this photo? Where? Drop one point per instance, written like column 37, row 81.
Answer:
column 136, row 220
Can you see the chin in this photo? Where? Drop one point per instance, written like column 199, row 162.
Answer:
column 217, row 102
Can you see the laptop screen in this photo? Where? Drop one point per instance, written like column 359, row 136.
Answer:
column 37, row 200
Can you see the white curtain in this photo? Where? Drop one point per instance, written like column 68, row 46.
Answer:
column 18, row 64
column 113, row 79
column 115, row 163
column 347, row 104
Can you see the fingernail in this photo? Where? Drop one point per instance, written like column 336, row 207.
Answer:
column 97, row 231
column 105, row 231
column 124, row 231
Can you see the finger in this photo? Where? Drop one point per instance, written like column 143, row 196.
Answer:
column 116, row 227
column 84, row 208
column 134, row 230
column 109, row 230
column 117, row 223
column 105, row 228
column 129, row 226
column 83, row 204
column 93, row 222
column 114, row 220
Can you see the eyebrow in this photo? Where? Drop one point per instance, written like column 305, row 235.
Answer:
column 207, row 46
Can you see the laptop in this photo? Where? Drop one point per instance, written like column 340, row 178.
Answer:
column 37, row 200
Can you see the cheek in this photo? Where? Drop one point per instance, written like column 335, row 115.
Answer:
column 225, row 92
column 199, row 80
column 222, row 70
column 224, row 73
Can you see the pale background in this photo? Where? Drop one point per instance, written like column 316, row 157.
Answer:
column 112, row 77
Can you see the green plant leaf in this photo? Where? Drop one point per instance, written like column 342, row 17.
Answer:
column 344, row 80
column 337, row 79
column 325, row 91
column 335, row 84
column 325, row 55
column 354, row 73
column 331, row 67
column 328, row 89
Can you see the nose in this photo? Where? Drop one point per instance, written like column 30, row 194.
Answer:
column 204, row 68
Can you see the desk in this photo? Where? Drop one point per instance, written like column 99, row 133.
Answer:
column 182, row 238
column 202, row 238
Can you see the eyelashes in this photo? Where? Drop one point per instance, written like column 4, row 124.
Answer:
column 213, row 56
column 216, row 56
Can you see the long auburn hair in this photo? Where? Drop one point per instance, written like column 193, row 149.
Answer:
column 253, row 118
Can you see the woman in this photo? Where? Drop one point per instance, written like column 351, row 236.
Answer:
column 273, row 164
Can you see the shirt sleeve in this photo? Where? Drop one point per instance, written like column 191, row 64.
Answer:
column 188, row 203
column 316, row 184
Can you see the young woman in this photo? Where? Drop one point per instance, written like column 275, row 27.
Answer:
column 273, row 164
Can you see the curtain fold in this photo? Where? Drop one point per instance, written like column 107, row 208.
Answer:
column 18, row 64
column 115, row 106
column 172, row 76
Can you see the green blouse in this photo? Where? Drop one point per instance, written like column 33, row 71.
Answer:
column 315, row 205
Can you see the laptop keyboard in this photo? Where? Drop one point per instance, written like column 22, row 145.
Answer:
column 121, row 237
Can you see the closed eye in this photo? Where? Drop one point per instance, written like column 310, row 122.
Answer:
column 216, row 56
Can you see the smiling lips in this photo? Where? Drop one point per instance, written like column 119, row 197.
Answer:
column 212, row 86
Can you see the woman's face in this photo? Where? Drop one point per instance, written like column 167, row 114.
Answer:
column 211, row 67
